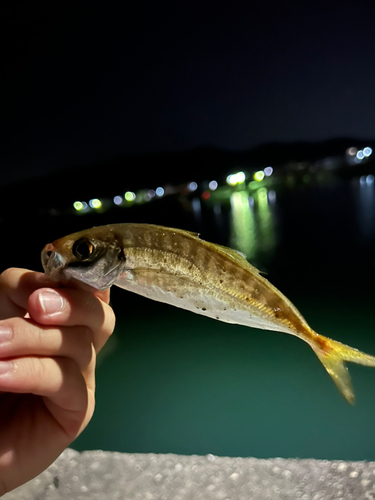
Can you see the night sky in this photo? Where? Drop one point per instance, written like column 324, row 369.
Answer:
column 92, row 81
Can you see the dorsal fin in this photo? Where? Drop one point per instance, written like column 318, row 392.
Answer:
column 239, row 257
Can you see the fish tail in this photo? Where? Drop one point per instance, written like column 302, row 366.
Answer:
column 332, row 355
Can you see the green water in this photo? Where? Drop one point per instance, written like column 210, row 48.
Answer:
column 180, row 383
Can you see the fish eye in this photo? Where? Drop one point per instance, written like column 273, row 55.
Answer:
column 83, row 249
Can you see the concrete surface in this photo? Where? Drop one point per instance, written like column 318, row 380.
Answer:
column 107, row 475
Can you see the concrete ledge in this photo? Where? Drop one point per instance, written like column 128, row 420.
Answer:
column 106, row 475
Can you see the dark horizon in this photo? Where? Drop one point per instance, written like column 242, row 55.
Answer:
column 59, row 188
column 274, row 152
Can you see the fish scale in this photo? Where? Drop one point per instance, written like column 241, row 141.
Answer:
column 177, row 267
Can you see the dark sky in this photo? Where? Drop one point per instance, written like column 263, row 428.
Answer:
column 90, row 81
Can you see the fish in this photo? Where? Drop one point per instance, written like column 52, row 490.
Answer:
column 177, row 267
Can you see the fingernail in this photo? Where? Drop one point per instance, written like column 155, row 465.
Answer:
column 5, row 366
column 5, row 333
column 51, row 302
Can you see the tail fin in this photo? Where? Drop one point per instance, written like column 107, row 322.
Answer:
column 332, row 355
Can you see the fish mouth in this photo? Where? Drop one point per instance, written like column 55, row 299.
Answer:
column 53, row 262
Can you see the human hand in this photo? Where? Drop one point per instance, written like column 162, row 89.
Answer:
column 47, row 368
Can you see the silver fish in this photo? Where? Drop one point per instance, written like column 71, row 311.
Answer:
column 178, row 268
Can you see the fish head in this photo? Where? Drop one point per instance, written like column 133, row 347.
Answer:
column 88, row 256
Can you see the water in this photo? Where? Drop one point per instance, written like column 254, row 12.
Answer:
column 170, row 381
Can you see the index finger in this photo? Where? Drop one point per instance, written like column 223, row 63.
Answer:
column 15, row 287
column 71, row 307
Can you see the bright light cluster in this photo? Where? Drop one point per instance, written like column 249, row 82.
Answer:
column 361, row 153
column 235, row 179
column 364, row 153
column 357, row 155
column 255, row 185
column 240, row 177
column 141, row 196
column 82, row 206
column 95, row 203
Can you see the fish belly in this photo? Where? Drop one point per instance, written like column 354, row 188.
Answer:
column 181, row 292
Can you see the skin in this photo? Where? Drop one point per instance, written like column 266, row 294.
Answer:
column 47, row 397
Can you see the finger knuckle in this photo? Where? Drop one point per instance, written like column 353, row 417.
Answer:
column 20, row 327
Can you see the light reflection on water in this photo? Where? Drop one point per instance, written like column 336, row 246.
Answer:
column 266, row 224
column 252, row 229
column 242, row 229
column 366, row 207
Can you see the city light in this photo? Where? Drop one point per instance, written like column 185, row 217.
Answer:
column 95, row 203
column 351, row 151
column 192, row 186
column 159, row 191
column 259, row 176
column 129, row 196
column 367, row 151
column 234, row 179
column 268, row 171
column 213, row 185
column 117, row 200
column 360, row 155
column 78, row 205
